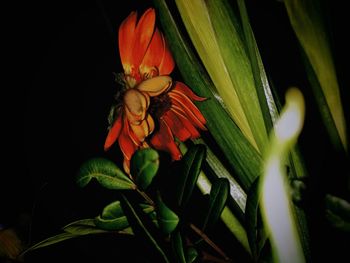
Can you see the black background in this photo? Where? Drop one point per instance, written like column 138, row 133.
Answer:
column 61, row 56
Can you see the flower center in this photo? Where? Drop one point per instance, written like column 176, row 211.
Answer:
column 159, row 105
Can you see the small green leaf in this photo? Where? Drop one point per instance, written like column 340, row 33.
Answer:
column 190, row 168
column 112, row 217
column 217, row 201
column 177, row 246
column 167, row 219
column 141, row 227
column 191, row 255
column 144, row 166
column 82, row 227
column 106, row 173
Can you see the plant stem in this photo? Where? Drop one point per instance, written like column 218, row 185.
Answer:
column 146, row 197
column 208, row 241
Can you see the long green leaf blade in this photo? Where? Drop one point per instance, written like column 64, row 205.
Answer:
column 190, row 168
column 236, row 61
column 308, row 24
column 263, row 89
column 217, row 201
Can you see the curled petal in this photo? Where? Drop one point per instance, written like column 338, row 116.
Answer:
column 143, row 35
column 144, row 129
column 155, row 86
column 136, row 104
column 126, row 37
column 185, row 105
column 164, row 140
column 181, row 88
column 114, row 132
column 176, row 126
column 167, row 63
column 189, row 126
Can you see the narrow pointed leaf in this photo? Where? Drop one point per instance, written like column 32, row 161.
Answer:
column 167, row 219
column 106, row 173
column 322, row 104
column 236, row 62
column 307, row 20
column 202, row 34
column 244, row 159
column 140, row 226
column 263, row 89
column 83, row 227
column 190, row 168
column 217, row 201
column 144, row 166
column 178, row 248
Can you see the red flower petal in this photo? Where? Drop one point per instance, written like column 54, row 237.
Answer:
column 143, row 35
column 187, row 124
column 126, row 38
column 153, row 56
column 186, row 106
column 176, row 126
column 164, row 140
column 114, row 132
column 167, row 63
column 182, row 88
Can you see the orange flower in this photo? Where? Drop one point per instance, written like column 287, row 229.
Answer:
column 151, row 109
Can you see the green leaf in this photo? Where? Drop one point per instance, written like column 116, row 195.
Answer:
column 190, row 168
column 338, row 212
column 191, row 255
column 167, row 219
column 236, row 63
column 140, row 226
column 112, row 217
column 200, row 28
column 217, row 201
column 75, row 229
column 177, row 246
column 51, row 240
column 144, row 166
column 106, row 173
column 307, row 20
column 83, row 227
column 263, row 89
column 244, row 159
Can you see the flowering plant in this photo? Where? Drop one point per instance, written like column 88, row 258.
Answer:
column 211, row 162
